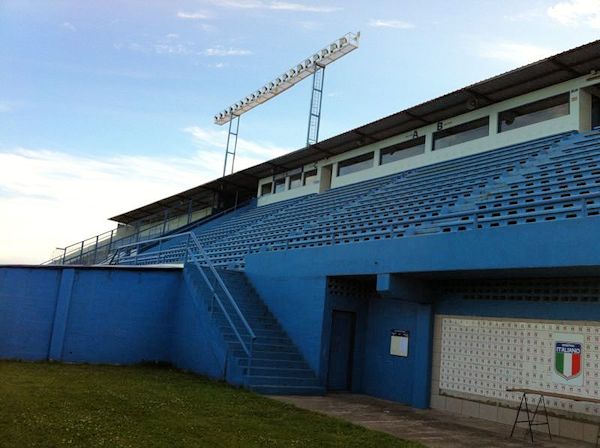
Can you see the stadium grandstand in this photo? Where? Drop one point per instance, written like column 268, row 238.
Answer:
column 440, row 257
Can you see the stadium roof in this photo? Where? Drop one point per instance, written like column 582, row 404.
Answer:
column 546, row 72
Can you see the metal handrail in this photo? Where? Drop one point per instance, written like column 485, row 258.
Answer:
column 191, row 237
column 77, row 251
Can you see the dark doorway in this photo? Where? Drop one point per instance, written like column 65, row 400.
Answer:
column 341, row 349
column 595, row 111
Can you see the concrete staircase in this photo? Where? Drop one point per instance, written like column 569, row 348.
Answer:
column 277, row 365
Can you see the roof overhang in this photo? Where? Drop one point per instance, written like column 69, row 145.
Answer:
column 544, row 73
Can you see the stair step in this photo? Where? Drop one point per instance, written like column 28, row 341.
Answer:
column 277, row 365
column 274, row 363
column 269, row 355
column 282, row 380
column 267, row 348
column 282, row 372
column 276, row 340
column 270, row 389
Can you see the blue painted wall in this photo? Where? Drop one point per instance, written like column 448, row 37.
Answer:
column 95, row 315
column 110, row 315
column 197, row 344
column 292, row 283
column 27, row 306
column 297, row 300
column 553, row 244
column 120, row 316
column 451, row 304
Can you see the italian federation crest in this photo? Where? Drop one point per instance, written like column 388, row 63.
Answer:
column 567, row 359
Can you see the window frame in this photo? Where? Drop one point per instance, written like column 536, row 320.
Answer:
column 262, row 189
column 532, row 108
column 463, row 128
column 356, row 160
column 401, row 147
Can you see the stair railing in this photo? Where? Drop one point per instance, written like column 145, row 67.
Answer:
column 86, row 251
column 194, row 253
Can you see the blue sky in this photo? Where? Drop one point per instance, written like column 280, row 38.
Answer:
column 108, row 105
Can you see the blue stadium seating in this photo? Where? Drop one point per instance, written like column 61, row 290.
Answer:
column 551, row 178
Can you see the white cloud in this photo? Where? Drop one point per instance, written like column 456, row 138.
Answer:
column 248, row 153
column 52, row 198
column 275, row 5
column 172, row 44
column 69, row 26
column 576, row 13
column 515, row 53
column 192, row 15
column 221, row 51
column 5, row 107
column 399, row 24
column 525, row 16
column 287, row 6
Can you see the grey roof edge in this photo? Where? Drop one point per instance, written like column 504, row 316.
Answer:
column 560, row 67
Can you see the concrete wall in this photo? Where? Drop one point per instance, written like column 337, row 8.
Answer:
column 292, row 283
column 116, row 315
column 27, row 307
column 197, row 344
column 297, row 300
column 96, row 315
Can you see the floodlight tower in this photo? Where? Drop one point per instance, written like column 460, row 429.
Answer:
column 314, row 65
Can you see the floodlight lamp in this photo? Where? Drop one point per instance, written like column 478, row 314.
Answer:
column 321, row 58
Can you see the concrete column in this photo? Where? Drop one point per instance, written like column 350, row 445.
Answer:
column 61, row 314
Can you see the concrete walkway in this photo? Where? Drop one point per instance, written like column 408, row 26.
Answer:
column 432, row 428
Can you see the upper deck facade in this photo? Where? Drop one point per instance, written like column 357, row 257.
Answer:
column 573, row 105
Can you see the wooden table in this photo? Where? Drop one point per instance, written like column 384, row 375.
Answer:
column 524, row 407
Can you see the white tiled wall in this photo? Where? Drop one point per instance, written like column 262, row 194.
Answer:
column 482, row 357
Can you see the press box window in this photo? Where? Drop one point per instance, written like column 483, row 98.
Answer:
column 310, row 177
column 462, row 133
column 279, row 185
column 295, row 181
column 546, row 109
column 265, row 189
column 355, row 164
column 401, row 151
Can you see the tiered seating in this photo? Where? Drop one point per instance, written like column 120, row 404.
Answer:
column 278, row 227
column 174, row 250
column 547, row 179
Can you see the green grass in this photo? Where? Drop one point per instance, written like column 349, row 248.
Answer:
column 56, row 405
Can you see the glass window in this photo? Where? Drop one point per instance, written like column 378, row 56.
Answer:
column 265, row 189
column 295, row 180
column 279, row 185
column 402, row 150
column 546, row 109
column 355, row 164
column 462, row 133
column 310, row 177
